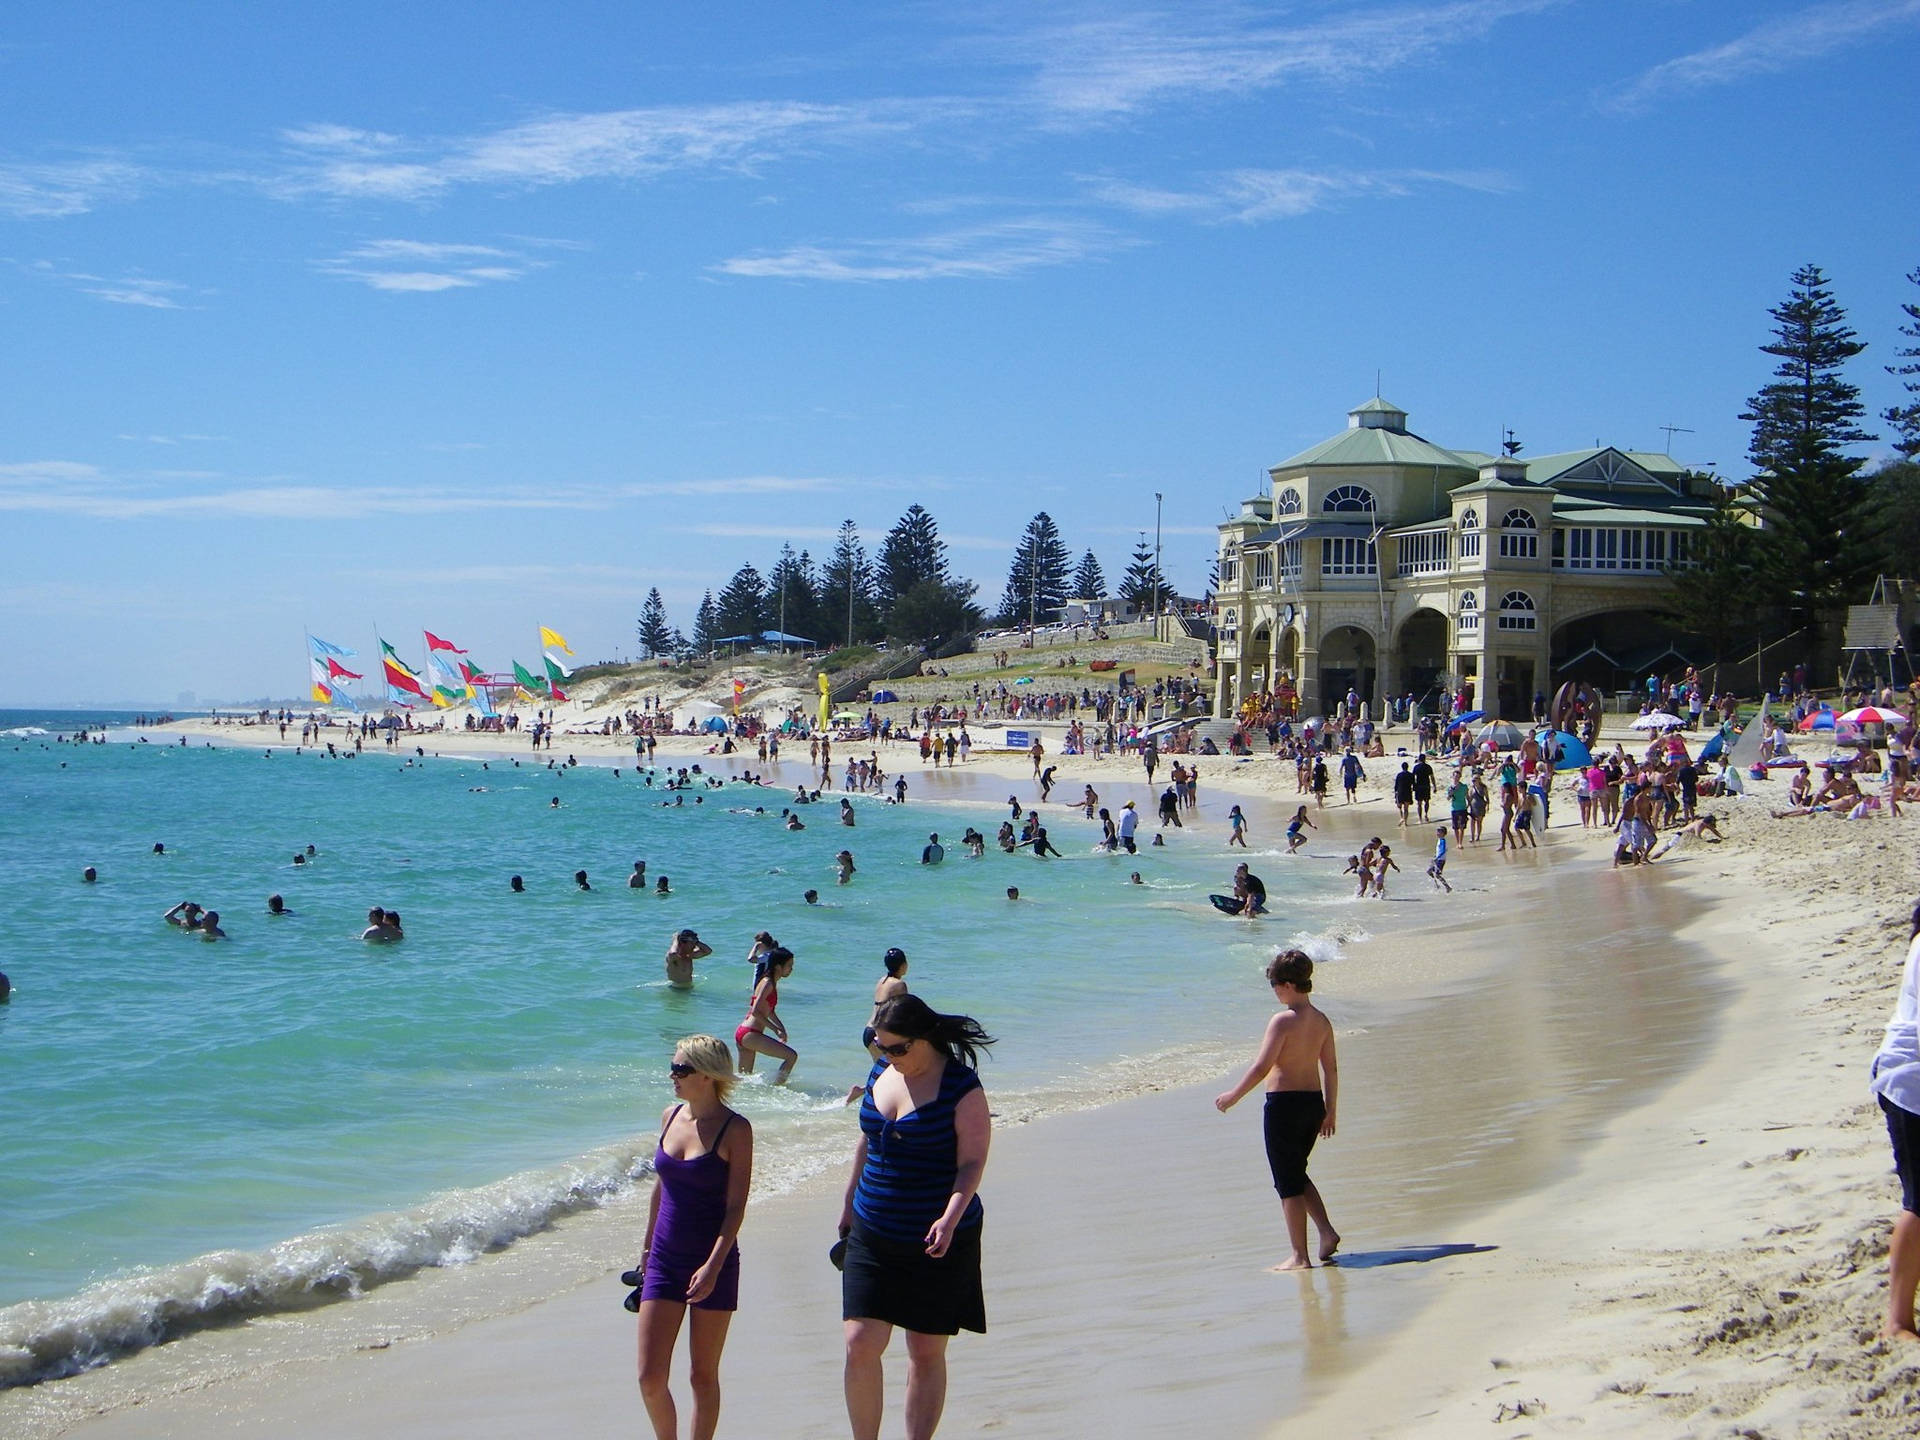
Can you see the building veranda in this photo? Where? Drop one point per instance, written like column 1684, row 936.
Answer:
column 1382, row 565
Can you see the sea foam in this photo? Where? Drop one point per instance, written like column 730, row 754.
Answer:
column 46, row 1339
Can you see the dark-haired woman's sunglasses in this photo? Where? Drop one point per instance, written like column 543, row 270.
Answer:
column 896, row 1051
column 679, row 1071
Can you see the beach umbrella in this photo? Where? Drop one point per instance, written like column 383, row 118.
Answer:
column 1024, row 680
column 716, row 725
column 1821, row 719
column 1502, row 735
column 1656, row 720
column 1573, row 750
column 1874, row 715
column 1713, row 747
column 1467, row 718
column 847, row 717
column 884, row 697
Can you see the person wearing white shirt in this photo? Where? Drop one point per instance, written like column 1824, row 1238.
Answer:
column 1896, row 1082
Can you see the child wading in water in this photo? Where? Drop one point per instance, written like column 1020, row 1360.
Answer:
column 1296, row 1060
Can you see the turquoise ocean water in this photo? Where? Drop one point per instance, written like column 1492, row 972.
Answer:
column 196, row 1130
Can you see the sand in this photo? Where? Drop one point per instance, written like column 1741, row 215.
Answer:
column 1614, row 1126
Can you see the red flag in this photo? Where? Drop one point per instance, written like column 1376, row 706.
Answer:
column 337, row 671
column 434, row 642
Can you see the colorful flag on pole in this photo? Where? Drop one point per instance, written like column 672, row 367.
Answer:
column 527, row 680
column 321, row 647
column 449, row 687
column 402, row 679
column 434, row 642
column 556, row 672
column 554, row 638
column 739, row 692
column 322, row 692
column 336, row 671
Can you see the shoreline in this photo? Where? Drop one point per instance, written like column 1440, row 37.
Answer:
column 1619, row 1251
column 1467, row 969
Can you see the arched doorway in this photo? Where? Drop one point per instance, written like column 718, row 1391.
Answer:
column 1346, row 663
column 1256, row 662
column 1423, row 659
column 1287, row 662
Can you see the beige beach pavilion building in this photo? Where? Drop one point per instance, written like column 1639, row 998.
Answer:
column 1380, row 564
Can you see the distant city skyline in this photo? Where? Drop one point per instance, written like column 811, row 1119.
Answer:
column 477, row 318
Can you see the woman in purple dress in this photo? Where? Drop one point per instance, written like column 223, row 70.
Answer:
column 702, row 1170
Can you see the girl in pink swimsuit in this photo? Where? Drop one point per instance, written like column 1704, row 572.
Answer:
column 761, row 1033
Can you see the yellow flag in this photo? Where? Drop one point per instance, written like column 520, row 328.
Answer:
column 554, row 637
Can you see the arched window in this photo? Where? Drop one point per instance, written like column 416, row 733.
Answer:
column 1230, row 625
column 1519, row 536
column 1469, row 534
column 1287, row 502
column 1349, row 498
column 1516, row 611
column 1230, row 564
column 1469, row 613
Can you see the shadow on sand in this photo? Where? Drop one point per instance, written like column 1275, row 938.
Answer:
column 1412, row 1255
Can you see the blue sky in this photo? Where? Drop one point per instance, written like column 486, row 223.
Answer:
column 479, row 317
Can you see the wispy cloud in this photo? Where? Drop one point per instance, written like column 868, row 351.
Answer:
column 1250, row 196
column 141, row 290
column 1116, row 65
column 990, row 251
column 76, row 488
column 765, row 532
column 347, row 163
column 424, row 267
column 1768, row 48
column 57, row 190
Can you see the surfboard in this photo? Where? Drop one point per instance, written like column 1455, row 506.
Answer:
column 1225, row 904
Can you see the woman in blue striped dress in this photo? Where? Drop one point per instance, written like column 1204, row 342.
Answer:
column 912, row 1215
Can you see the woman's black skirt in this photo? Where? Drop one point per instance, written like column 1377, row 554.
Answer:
column 898, row 1282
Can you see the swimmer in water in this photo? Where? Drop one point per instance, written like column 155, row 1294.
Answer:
column 686, row 948
column 186, row 915
column 554, row 804
column 846, row 811
column 298, row 858
column 933, row 852
column 159, row 849
column 844, row 863
column 638, row 879
column 580, row 879
column 379, row 931
column 210, row 926
column 277, row 906
column 812, row 897
column 1013, row 892
column 1134, row 879
column 661, row 887
column 89, row 875
column 517, row 885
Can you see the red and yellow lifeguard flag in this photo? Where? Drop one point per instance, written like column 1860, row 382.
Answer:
column 402, row 679
column 321, row 691
column 739, row 693
column 434, row 642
